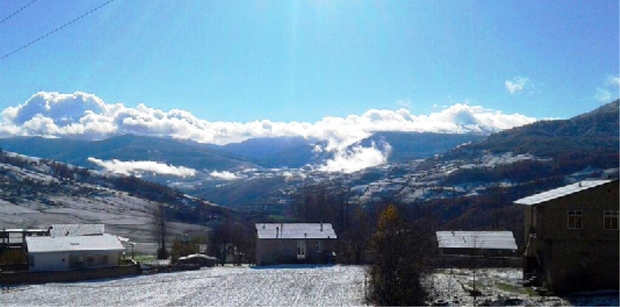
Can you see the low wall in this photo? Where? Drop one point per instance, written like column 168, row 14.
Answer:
column 11, row 278
column 14, row 267
column 459, row 261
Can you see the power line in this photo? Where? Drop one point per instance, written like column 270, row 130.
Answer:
column 17, row 12
column 54, row 31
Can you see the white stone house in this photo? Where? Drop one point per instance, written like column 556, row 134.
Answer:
column 73, row 252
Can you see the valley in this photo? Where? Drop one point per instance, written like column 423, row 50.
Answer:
column 424, row 170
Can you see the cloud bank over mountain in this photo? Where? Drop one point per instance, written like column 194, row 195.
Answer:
column 86, row 116
column 356, row 158
column 137, row 168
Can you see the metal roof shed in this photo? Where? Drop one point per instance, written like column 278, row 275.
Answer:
column 498, row 240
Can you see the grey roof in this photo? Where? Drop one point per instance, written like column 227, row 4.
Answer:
column 105, row 242
column 476, row 239
column 73, row 230
column 560, row 192
column 295, row 231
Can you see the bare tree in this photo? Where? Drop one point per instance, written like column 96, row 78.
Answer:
column 161, row 229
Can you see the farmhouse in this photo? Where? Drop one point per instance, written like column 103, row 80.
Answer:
column 279, row 243
column 476, row 243
column 572, row 236
column 73, row 252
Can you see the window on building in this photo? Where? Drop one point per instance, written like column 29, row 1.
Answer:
column 301, row 249
column 319, row 246
column 610, row 219
column 575, row 219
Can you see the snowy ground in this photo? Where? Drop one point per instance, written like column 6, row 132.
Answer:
column 282, row 286
column 501, row 287
column 219, row 286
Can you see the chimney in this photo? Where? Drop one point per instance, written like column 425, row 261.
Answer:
column 277, row 231
column 321, row 226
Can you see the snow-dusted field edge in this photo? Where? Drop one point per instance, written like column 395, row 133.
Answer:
column 219, row 286
column 283, row 286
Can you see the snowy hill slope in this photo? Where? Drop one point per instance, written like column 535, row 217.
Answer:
column 36, row 193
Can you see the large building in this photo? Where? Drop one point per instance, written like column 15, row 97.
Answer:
column 571, row 236
column 285, row 243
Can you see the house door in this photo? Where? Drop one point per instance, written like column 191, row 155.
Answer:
column 301, row 249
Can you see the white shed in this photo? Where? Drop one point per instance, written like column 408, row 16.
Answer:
column 73, row 253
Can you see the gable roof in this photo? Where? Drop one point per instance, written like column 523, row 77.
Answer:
column 72, row 230
column 560, row 192
column 295, row 231
column 476, row 239
column 105, row 242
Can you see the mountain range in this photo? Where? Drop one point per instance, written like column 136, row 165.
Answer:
column 276, row 152
column 266, row 174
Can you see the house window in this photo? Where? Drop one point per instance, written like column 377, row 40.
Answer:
column 610, row 219
column 301, row 249
column 575, row 219
column 319, row 246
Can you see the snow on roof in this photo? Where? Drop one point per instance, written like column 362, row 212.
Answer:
column 476, row 239
column 202, row 256
column 105, row 242
column 73, row 230
column 560, row 192
column 295, row 231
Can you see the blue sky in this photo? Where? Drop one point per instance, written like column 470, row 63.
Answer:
column 241, row 61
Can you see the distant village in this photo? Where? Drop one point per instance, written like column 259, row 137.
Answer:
column 571, row 244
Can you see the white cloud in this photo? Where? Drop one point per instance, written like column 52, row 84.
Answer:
column 140, row 167
column 609, row 90
column 225, row 175
column 355, row 159
column 517, row 84
column 603, row 95
column 86, row 116
column 613, row 81
column 403, row 103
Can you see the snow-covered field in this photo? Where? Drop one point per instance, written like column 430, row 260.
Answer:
column 219, row 286
column 284, row 286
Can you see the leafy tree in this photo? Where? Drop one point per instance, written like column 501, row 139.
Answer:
column 401, row 256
